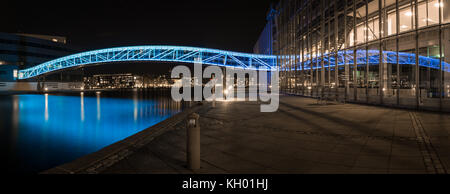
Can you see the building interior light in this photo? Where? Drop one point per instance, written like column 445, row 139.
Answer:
column 408, row 14
column 404, row 26
column 439, row 4
column 55, row 40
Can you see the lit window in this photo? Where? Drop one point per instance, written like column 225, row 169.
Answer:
column 406, row 19
column 428, row 14
column 433, row 12
column 436, row 4
column 392, row 23
column 423, row 20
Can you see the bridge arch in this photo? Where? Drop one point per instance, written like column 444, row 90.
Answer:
column 154, row 53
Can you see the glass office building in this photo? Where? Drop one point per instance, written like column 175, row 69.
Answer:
column 21, row 51
column 387, row 52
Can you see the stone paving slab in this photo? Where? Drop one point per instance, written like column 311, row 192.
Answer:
column 302, row 137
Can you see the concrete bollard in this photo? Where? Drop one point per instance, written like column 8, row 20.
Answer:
column 193, row 141
column 213, row 105
column 214, row 97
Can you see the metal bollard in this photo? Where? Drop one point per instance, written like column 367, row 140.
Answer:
column 193, row 141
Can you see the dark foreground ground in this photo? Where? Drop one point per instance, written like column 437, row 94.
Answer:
column 302, row 137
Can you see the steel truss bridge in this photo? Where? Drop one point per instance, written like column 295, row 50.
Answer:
column 226, row 59
column 155, row 53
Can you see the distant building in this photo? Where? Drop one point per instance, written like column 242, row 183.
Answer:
column 113, row 81
column 158, row 81
column 20, row 51
column 128, row 80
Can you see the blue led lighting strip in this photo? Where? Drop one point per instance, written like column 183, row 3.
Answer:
column 389, row 57
column 220, row 58
column 155, row 53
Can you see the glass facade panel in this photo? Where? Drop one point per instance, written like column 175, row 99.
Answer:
column 406, row 18
column 352, row 75
column 361, row 74
column 433, row 12
column 423, row 14
column 407, row 70
column 428, row 13
column 445, row 60
column 392, row 23
column 391, row 84
column 445, row 10
column 360, row 33
column 374, row 29
column 429, row 68
column 373, row 76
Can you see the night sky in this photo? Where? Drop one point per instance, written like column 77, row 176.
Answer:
column 222, row 24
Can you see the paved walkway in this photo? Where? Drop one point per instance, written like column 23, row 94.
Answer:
column 302, row 137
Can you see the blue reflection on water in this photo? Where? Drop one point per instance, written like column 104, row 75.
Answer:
column 49, row 130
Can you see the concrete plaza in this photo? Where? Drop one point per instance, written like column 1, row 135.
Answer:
column 304, row 136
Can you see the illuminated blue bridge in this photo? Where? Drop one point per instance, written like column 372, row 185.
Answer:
column 223, row 58
column 155, row 53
